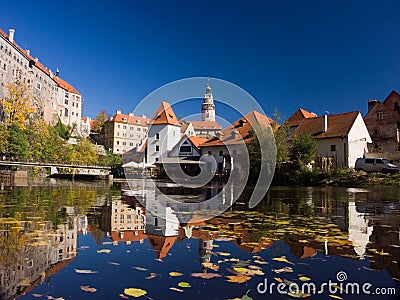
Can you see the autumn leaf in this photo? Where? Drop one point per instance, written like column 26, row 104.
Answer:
column 37, row 295
column 89, row 289
column 175, row 274
column 336, row 297
column 260, row 262
column 304, row 278
column 206, row 275
column 210, row 265
column 278, row 279
column 152, row 275
column 123, row 296
column 298, row 295
column 283, row 270
column 240, row 278
column 134, row 292
column 140, row 268
column 113, row 263
column 85, row 271
column 282, row 259
column 184, row 284
column 176, row 289
column 104, row 251
column 223, row 253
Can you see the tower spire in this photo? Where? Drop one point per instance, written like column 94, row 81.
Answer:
column 208, row 107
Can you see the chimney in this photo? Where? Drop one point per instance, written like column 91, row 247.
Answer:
column 57, row 72
column 36, row 59
column 371, row 104
column 28, row 52
column 131, row 114
column 144, row 116
column 324, row 123
column 118, row 112
column 11, row 35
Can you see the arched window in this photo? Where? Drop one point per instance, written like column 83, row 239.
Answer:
column 66, row 112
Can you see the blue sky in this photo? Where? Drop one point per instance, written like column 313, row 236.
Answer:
column 319, row 55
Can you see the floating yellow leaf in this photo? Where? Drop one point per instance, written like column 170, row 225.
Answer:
column 304, row 278
column 176, row 289
column 278, row 279
column 240, row 278
column 205, row 275
column 140, row 268
column 134, row 292
column 240, row 269
column 335, row 297
column 175, row 274
column 89, row 289
column 104, row 251
column 298, row 295
column 282, row 259
column 224, row 253
column 184, row 284
column 210, row 265
column 260, row 262
column 283, row 270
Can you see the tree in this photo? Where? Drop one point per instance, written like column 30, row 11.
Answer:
column 83, row 152
column 63, row 130
column 303, row 149
column 17, row 106
column 4, row 135
column 18, row 142
column 99, row 121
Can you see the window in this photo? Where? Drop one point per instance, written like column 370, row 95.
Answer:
column 124, row 127
column 157, row 136
column 379, row 115
column 117, row 142
column 66, row 112
column 221, row 153
column 375, row 131
column 333, row 148
column 66, row 102
column 66, row 95
column 185, row 149
column 124, row 143
column 369, row 160
column 157, row 148
column 396, row 106
column 38, row 85
column 156, row 159
column 209, row 152
column 139, row 129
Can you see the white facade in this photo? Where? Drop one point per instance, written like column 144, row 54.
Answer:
column 161, row 139
column 184, row 148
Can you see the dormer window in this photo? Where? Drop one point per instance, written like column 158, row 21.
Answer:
column 396, row 106
column 138, row 121
column 124, row 119
column 379, row 115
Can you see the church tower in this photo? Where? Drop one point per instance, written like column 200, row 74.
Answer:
column 208, row 107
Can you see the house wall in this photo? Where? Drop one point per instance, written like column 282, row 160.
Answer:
column 169, row 135
column 324, row 149
column 358, row 139
column 176, row 150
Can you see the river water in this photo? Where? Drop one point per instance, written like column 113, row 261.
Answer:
column 93, row 240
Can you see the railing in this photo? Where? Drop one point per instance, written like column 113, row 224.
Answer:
column 47, row 163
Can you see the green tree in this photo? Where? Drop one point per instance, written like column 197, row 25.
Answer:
column 83, row 152
column 99, row 121
column 4, row 135
column 63, row 130
column 18, row 142
column 303, row 149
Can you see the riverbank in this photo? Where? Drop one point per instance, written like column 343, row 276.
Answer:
column 361, row 178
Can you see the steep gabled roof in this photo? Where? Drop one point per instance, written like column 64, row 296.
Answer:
column 339, row 125
column 164, row 115
column 393, row 94
column 243, row 127
column 205, row 125
column 129, row 119
column 298, row 116
column 161, row 244
column 197, row 141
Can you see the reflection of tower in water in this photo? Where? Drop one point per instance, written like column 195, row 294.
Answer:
column 205, row 251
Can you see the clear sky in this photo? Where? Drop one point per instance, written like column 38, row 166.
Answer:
column 319, row 55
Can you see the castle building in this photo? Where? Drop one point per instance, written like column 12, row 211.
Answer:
column 124, row 132
column 53, row 97
column 208, row 106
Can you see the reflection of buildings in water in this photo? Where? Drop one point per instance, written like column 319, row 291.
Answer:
column 42, row 252
column 124, row 220
column 205, row 251
column 359, row 231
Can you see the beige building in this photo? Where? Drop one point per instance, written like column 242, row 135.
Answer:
column 51, row 95
column 124, row 132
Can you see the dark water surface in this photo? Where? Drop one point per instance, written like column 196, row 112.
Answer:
column 65, row 240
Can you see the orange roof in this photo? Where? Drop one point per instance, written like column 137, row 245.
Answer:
column 299, row 116
column 61, row 83
column 197, row 141
column 205, row 125
column 339, row 125
column 184, row 127
column 243, row 127
column 161, row 244
column 127, row 119
column 164, row 115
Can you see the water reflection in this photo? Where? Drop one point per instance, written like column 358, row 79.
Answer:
column 45, row 234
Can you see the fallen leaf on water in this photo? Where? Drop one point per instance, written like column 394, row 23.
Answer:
column 335, row 297
column 152, row 275
column 37, row 295
column 123, row 296
column 260, row 262
column 210, row 265
column 140, row 268
column 175, row 274
column 89, row 289
column 206, row 275
column 254, row 267
column 283, row 270
column 184, row 284
column 104, row 251
column 176, row 289
column 304, row 278
column 278, row 279
column 134, row 292
column 223, row 253
column 283, row 259
column 85, row 271
column 240, row 278
column 113, row 263
column 298, row 295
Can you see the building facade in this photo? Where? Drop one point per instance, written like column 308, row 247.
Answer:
column 124, row 132
column 53, row 97
column 208, row 106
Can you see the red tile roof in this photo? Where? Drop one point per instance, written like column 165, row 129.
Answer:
column 243, row 127
column 164, row 115
column 60, row 82
column 161, row 244
column 299, row 116
column 197, row 141
column 339, row 125
column 127, row 119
